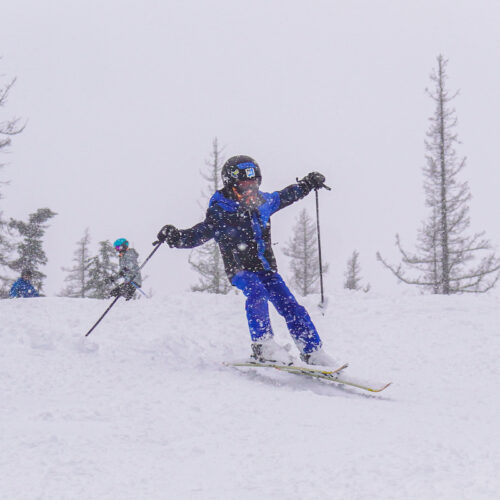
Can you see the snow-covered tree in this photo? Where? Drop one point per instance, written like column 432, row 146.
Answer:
column 8, row 128
column 207, row 260
column 302, row 248
column 103, row 269
column 5, row 250
column 30, row 252
column 78, row 277
column 352, row 274
column 5, row 253
column 444, row 261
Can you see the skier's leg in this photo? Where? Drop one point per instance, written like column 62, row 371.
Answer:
column 298, row 321
column 264, row 347
column 257, row 307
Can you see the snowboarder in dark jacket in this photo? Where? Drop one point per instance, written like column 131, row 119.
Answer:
column 22, row 288
column 238, row 217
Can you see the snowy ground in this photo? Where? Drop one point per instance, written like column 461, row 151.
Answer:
column 144, row 408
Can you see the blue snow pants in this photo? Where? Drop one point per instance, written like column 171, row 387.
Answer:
column 262, row 287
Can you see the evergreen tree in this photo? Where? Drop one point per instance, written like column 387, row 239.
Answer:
column 103, row 269
column 8, row 128
column 5, row 249
column 445, row 254
column 352, row 274
column 30, row 253
column 302, row 248
column 206, row 260
column 78, row 277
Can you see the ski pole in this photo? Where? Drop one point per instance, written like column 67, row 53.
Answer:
column 157, row 245
column 104, row 314
column 319, row 246
column 139, row 289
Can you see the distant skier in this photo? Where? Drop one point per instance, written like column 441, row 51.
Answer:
column 22, row 287
column 238, row 217
column 129, row 270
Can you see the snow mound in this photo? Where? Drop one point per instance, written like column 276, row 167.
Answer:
column 144, row 408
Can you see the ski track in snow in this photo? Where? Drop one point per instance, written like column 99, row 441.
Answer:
column 144, row 409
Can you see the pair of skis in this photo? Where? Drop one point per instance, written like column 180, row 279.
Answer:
column 336, row 375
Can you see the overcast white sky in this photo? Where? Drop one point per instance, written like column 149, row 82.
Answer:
column 123, row 99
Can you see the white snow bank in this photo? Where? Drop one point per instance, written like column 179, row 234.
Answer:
column 143, row 407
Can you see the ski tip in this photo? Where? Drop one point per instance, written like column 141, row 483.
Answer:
column 343, row 367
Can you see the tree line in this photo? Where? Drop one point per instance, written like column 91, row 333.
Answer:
column 91, row 276
column 447, row 259
column 21, row 241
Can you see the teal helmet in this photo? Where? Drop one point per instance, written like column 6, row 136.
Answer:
column 121, row 244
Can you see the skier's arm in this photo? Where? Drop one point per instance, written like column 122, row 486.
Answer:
column 188, row 238
column 195, row 236
column 14, row 291
column 296, row 192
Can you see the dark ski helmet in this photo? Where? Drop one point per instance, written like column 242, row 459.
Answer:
column 121, row 244
column 26, row 274
column 240, row 168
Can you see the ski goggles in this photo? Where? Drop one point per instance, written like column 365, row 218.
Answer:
column 247, row 186
column 120, row 248
column 245, row 172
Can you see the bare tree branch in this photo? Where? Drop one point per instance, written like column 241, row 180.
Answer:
column 445, row 252
column 207, row 260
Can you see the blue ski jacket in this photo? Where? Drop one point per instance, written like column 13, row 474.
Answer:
column 243, row 235
column 22, row 289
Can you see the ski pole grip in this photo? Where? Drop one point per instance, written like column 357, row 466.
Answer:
column 322, row 185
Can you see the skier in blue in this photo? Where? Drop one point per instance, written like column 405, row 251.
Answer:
column 238, row 217
column 22, row 287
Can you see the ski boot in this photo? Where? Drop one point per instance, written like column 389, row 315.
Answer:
column 268, row 351
column 319, row 358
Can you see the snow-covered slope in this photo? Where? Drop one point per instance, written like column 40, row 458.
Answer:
column 144, row 409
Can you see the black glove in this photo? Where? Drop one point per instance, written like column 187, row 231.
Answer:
column 311, row 181
column 126, row 290
column 170, row 234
